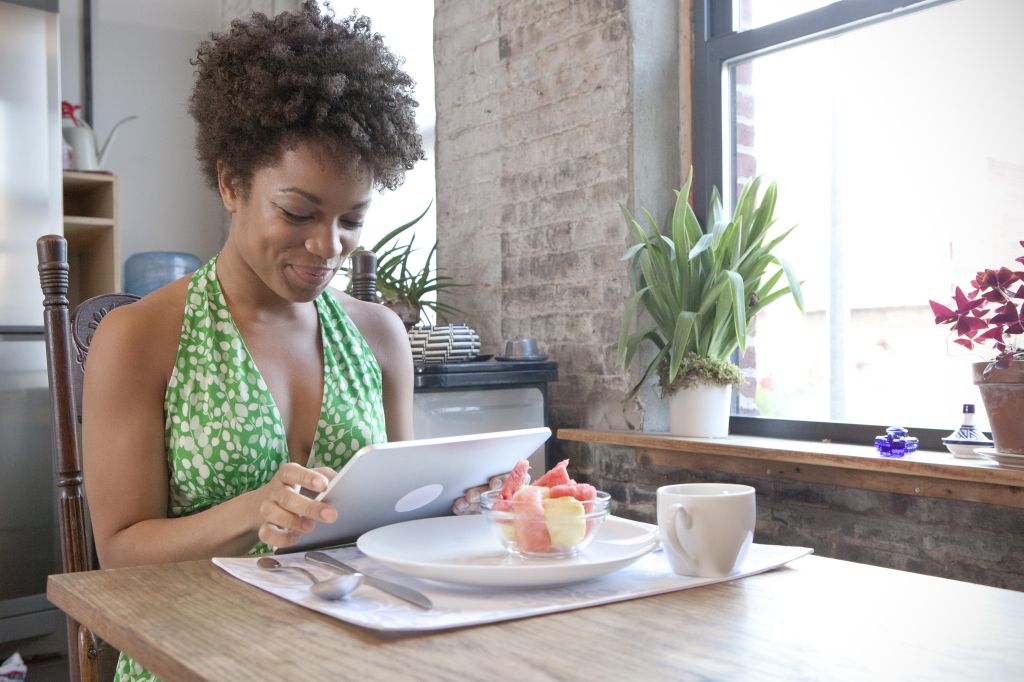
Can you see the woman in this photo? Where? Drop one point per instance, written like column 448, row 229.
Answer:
column 210, row 400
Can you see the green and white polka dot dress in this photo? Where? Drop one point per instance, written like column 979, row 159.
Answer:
column 223, row 433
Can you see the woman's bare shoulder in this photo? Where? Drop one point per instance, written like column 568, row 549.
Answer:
column 146, row 331
column 379, row 325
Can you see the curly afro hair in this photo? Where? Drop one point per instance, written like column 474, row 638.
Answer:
column 270, row 83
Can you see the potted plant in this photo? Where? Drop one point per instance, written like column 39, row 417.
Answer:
column 700, row 290
column 991, row 316
column 402, row 288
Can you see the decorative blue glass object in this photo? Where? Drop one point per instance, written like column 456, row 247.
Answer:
column 896, row 442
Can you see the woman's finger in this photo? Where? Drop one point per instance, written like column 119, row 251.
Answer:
column 326, row 471
column 276, row 537
column 300, row 505
column 472, row 495
column 273, row 513
column 292, row 474
column 463, row 507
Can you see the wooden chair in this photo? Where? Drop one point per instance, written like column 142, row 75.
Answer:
column 67, row 345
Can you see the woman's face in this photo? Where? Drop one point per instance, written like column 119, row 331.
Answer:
column 299, row 221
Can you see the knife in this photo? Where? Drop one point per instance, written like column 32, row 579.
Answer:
column 394, row 589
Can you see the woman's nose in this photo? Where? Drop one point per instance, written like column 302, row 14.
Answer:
column 325, row 242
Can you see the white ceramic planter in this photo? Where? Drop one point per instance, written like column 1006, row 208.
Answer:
column 700, row 412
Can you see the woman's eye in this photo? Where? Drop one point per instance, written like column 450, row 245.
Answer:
column 351, row 224
column 294, row 217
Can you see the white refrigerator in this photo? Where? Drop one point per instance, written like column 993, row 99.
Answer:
column 30, row 206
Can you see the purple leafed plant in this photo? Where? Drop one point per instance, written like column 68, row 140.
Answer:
column 990, row 315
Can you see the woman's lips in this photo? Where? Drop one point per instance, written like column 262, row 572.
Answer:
column 313, row 275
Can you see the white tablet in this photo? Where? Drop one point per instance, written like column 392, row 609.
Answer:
column 414, row 479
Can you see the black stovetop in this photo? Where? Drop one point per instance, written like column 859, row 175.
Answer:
column 489, row 372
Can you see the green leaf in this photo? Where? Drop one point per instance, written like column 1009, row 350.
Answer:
column 634, row 344
column 763, row 215
column 400, row 229
column 655, row 230
column 627, row 321
column 702, row 245
column 794, row 283
column 739, row 312
column 657, row 360
column 714, row 207
column 684, row 331
column 632, row 251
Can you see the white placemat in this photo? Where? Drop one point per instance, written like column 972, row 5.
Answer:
column 456, row 606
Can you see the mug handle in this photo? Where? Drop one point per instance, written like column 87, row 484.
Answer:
column 672, row 536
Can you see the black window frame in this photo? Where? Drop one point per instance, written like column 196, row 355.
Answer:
column 716, row 45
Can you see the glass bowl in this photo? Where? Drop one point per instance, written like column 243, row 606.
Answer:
column 562, row 531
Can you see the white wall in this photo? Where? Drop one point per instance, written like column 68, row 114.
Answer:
column 407, row 28
column 141, row 52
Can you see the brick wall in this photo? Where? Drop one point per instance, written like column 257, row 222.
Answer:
column 969, row 541
column 533, row 157
column 549, row 114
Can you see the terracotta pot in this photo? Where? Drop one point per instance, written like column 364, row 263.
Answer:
column 407, row 312
column 700, row 412
column 1002, row 392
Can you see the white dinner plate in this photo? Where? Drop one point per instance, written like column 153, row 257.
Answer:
column 465, row 551
column 1004, row 458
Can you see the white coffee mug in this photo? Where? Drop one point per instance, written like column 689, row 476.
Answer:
column 706, row 528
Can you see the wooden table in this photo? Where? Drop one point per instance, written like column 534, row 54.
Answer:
column 815, row 619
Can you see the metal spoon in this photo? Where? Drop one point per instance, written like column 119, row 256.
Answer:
column 330, row 589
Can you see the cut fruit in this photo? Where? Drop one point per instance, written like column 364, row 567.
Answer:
column 565, row 522
column 557, row 475
column 530, row 524
column 515, row 479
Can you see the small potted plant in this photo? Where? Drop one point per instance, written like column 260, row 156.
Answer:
column 404, row 289
column 990, row 317
column 700, row 290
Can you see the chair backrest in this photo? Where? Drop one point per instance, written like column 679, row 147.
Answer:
column 67, row 346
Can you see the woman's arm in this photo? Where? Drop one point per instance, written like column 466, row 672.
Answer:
column 125, row 463
column 387, row 338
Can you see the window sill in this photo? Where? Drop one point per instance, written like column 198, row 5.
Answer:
column 924, row 473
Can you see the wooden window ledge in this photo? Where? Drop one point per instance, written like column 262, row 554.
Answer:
column 925, row 473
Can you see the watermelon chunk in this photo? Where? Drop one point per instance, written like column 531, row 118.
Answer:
column 506, row 527
column 564, row 490
column 557, row 475
column 581, row 491
column 585, row 491
column 530, row 523
column 515, row 479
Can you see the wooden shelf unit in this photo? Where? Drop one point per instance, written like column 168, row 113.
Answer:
column 90, row 228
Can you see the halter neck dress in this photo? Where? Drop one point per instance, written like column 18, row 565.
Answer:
column 223, row 433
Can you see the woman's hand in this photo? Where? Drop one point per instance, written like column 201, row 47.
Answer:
column 285, row 514
column 469, row 503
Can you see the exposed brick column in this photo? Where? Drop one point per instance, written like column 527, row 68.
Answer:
column 551, row 114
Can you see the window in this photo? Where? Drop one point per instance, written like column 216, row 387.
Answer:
column 407, row 29
column 890, row 127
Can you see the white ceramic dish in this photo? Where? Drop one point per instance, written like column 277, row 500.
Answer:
column 464, row 551
column 1004, row 459
column 965, row 449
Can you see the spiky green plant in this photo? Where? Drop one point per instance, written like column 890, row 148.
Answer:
column 397, row 282
column 700, row 289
